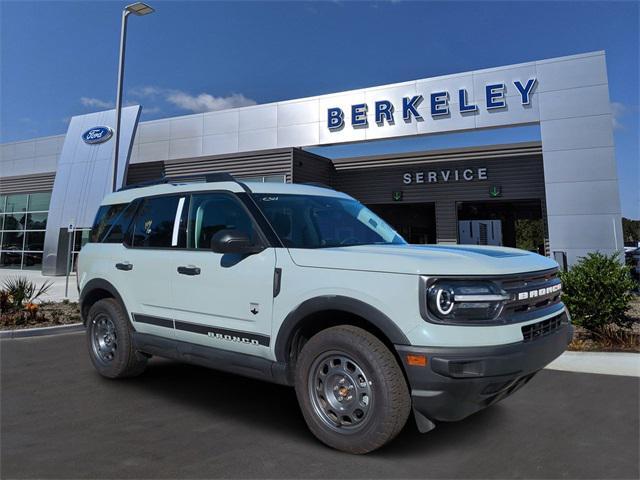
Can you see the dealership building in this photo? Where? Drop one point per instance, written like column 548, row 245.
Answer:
column 558, row 196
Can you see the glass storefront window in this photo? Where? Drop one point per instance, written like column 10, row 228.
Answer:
column 14, row 221
column 10, row 259
column 23, row 222
column 32, row 261
column 16, row 203
column 34, row 241
column 39, row 202
column 12, row 240
column 37, row 221
column 80, row 239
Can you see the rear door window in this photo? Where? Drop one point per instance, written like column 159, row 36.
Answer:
column 155, row 223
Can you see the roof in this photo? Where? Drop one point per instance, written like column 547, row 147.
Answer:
column 125, row 196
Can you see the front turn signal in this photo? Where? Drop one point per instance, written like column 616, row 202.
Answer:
column 416, row 360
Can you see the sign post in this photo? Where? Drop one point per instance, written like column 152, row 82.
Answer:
column 69, row 258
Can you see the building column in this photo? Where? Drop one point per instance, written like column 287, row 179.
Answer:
column 582, row 198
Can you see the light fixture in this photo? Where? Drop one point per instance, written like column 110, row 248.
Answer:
column 139, row 8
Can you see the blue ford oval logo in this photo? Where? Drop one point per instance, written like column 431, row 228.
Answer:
column 97, row 135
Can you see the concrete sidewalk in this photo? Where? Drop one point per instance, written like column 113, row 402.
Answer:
column 607, row 363
column 55, row 293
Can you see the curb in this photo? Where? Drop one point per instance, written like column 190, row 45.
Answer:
column 42, row 331
column 606, row 363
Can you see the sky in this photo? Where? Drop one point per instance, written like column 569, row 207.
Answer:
column 59, row 59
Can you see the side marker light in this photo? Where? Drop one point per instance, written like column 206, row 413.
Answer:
column 416, row 360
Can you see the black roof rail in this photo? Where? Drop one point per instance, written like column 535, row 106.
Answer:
column 207, row 177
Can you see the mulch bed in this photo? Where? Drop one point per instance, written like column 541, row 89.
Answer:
column 49, row 314
column 625, row 341
column 619, row 341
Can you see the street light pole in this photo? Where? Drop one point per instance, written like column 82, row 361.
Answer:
column 137, row 9
column 123, row 41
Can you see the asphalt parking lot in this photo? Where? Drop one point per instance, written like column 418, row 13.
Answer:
column 61, row 420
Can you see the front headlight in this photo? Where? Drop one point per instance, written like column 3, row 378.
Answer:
column 465, row 300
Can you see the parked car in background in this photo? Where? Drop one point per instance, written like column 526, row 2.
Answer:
column 632, row 259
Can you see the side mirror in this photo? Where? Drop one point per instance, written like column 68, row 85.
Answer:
column 234, row 241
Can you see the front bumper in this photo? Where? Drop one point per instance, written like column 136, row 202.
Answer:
column 458, row 381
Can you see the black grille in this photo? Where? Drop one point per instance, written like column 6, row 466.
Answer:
column 540, row 329
column 537, row 283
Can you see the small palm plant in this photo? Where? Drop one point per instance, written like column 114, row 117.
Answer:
column 21, row 292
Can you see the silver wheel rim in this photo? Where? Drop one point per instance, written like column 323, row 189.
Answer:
column 104, row 341
column 341, row 392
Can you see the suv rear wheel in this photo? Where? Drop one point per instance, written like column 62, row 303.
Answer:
column 110, row 341
column 351, row 390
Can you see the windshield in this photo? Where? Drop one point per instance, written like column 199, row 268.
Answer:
column 307, row 221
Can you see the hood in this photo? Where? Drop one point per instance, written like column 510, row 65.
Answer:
column 424, row 259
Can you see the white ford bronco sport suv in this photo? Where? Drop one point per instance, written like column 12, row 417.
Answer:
column 304, row 286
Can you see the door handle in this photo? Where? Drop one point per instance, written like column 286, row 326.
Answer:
column 126, row 266
column 189, row 270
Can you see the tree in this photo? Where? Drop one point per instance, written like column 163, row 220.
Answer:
column 630, row 230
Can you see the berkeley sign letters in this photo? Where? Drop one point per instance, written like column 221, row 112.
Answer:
column 438, row 106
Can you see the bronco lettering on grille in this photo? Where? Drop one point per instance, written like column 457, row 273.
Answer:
column 539, row 292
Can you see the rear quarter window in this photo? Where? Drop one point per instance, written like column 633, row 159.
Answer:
column 120, row 226
column 105, row 218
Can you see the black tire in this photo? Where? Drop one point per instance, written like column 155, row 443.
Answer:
column 110, row 341
column 343, row 356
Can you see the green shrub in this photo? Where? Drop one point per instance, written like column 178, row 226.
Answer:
column 597, row 290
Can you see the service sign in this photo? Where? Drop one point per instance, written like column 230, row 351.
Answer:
column 440, row 104
column 445, row 175
column 97, row 135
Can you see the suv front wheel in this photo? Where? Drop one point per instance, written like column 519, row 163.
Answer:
column 351, row 389
column 110, row 341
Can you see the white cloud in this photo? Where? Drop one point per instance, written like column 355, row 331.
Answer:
column 151, row 110
column 205, row 102
column 146, row 91
column 617, row 111
column 95, row 103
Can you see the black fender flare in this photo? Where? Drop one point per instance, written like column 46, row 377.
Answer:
column 335, row 302
column 98, row 284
